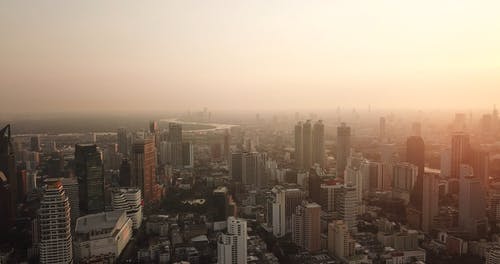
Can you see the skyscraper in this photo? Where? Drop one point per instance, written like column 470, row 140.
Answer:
column 7, row 180
column 382, row 129
column 232, row 246
column 430, row 199
column 343, row 148
column 284, row 202
column 346, row 205
column 298, row 146
column 250, row 167
column 227, row 145
column 340, row 242
column 55, row 224
column 314, row 186
column 307, row 145
column 415, row 154
column 70, row 186
column 319, row 143
column 307, row 226
column 471, row 202
column 236, row 166
column 144, row 169
column 460, row 147
column 35, row 143
column 89, row 172
column 125, row 173
column 174, row 132
column 122, row 140
column 187, row 155
column 480, row 162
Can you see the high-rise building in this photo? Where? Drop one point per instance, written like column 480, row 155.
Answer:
column 187, row 155
column 102, row 237
column 71, row 189
column 314, row 185
column 8, row 180
column 283, row 204
column 430, row 199
column 480, row 162
column 307, row 226
column 35, row 143
column 382, row 129
column 89, row 172
column 340, row 242
column 494, row 202
column 236, row 166
column 327, row 194
column 125, row 173
column 307, row 145
column 174, row 132
column 343, row 148
column 372, row 172
column 227, row 145
column 318, row 147
column 144, row 169
column 130, row 201
column 250, row 168
column 122, row 139
column 232, row 246
column 346, row 205
column 404, row 180
column 415, row 154
column 471, row 202
column 55, row 224
column 298, row 146
column 460, row 147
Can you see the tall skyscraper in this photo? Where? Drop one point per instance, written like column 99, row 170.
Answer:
column 122, row 140
column 232, row 246
column 236, row 166
column 314, row 186
column 7, row 180
column 187, row 155
column 227, row 145
column 471, row 202
column 460, row 147
column 89, row 172
column 327, row 194
column 430, row 199
column 346, row 205
column 415, row 154
column 404, row 180
column 307, row 145
column 55, row 224
column 174, row 132
column 319, row 143
column 144, row 169
column 125, row 173
column 343, row 148
column 480, row 162
column 283, row 204
column 250, row 167
column 71, row 190
column 298, row 146
column 382, row 129
column 307, row 226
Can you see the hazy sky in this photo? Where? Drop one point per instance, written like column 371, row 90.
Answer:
column 164, row 55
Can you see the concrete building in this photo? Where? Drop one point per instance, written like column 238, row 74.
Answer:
column 307, row 226
column 471, row 203
column 232, row 246
column 346, row 205
column 130, row 201
column 318, row 144
column 144, row 169
column 460, row 147
column 102, row 235
column 90, row 175
column 340, row 242
column 307, row 145
column 298, row 146
column 343, row 148
column 70, row 186
column 55, row 235
column 430, row 199
column 404, row 180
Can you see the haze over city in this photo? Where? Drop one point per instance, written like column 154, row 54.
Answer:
column 248, row 55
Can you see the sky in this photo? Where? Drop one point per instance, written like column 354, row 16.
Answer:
column 64, row 56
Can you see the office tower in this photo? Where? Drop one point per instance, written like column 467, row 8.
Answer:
column 35, row 143
column 471, row 202
column 494, row 202
column 416, row 129
column 70, row 186
column 232, row 246
column 9, row 181
column 430, row 199
column 372, row 174
column 236, row 166
column 112, row 158
column 171, row 153
column 480, row 162
column 122, row 139
column 319, row 143
column 227, row 145
column 445, row 163
column 307, row 226
column 221, row 203
column 89, row 172
column 346, row 205
column 102, row 237
column 307, row 144
column 250, row 168
column 125, row 173
column 327, row 194
column 174, row 132
column 55, row 224
column 130, row 201
column 314, row 186
column 187, row 155
column 298, row 146
column 144, row 169
column 382, row 129
column 460, row 147
column 55, row 165
column 404, row 180
column 340, row 242
column 283, row 204
column 415, row 154
column 343, row 148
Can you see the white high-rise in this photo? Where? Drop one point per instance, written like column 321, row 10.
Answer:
column 128, row 200
column 55, row 224
column 232, row 246
column 346, row 205
column 70, row 186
